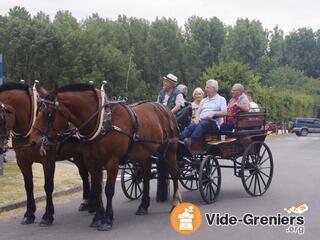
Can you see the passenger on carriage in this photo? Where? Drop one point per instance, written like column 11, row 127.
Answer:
column 183, row 89
column 170, row 96
column 238, row 102
column 253, row 106
column 209, row 117
column 197, row 96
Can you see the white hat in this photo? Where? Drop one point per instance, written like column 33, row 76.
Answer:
column 171, row 78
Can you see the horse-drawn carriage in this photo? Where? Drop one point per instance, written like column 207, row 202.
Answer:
column 200, row 166
column 110, row 132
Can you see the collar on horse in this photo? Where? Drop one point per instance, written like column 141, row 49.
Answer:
column 34, row 108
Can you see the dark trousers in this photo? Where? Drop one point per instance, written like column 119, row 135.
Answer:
column 195, row 131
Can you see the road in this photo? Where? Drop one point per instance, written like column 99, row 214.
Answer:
column 296, row 180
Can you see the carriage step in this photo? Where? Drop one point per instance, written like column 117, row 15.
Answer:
column 217, row 142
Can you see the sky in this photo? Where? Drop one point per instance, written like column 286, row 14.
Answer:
column 288, row 14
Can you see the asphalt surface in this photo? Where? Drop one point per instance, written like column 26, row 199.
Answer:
column 296, row 180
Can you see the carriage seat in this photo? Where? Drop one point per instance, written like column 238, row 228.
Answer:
column 248, row 123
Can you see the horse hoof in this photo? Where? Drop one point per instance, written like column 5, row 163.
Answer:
column 83, row 207
column 105, row 227
column 27, row 220
column 142, row 211
column 46, row 222
column 96, row 223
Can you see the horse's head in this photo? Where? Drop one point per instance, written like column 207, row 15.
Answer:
column 51, row 122
column 7, row 119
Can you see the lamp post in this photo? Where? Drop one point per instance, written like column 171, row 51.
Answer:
column 1, row 81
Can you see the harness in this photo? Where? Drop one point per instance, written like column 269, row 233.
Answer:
column 104, row 125
column 3, row 121
column 34, row 108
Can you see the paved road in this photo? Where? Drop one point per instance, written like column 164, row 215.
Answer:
column 296, row 180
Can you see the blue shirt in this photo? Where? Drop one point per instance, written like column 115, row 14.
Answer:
column 211, row 105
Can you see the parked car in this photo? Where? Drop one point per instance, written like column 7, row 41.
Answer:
column 304, row 126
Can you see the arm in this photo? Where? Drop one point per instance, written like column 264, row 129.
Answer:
column 243, row 104
column 176, row 108
column 222, row 112
column 179, row 102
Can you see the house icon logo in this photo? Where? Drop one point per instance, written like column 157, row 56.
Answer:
column 186, row 218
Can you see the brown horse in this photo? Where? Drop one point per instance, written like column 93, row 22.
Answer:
column 16, row 112
column 135, row 132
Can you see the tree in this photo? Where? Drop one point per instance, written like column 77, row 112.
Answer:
column 302, row 51
column 230, row 73
column 286, row 77
column 246, row 42
column 203, row 42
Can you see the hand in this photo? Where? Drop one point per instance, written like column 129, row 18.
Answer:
column 196, row 120
column 211, row 116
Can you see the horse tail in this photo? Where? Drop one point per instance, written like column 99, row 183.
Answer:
column 163, row 183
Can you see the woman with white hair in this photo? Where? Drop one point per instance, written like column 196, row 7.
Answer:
column 208, row 118
column 197, row 96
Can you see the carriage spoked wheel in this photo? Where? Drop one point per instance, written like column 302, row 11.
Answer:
column 131, row 182
column 256, row 168
column 209, row 179
column 189, row 176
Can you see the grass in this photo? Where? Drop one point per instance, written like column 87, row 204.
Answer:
column 12, row 184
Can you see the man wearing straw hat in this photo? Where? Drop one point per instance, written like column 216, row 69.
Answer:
column 170, row 96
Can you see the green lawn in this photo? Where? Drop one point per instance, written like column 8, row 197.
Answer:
column 12, row 185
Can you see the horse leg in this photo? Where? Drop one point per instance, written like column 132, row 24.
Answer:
column 96, row 188
column 145, row 201
column 173, row 170
column 48, row 168
column 112, row 171
column 26, row 170
column 84, row 206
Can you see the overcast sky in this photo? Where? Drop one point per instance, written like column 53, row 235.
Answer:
column 288, row 14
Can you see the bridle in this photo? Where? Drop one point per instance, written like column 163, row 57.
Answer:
column 49, row 109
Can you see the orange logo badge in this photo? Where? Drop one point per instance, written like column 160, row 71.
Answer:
column 186, row 218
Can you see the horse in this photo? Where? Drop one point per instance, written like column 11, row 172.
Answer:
column 112, row 132
column 18, row 105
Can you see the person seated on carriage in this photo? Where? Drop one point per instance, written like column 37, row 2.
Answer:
column 183, row 89
column 253, row 106
column 170, row 96
column 238, row 102
column 197, row 96
column 209, row 117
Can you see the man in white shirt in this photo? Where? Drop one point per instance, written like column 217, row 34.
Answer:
column 209, row 117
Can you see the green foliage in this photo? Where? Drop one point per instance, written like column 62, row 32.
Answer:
column 286, row 77
column 134, row 54
column 230, row 73
column 283, row 105
column 246, row 42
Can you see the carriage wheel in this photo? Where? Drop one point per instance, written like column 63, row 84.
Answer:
column 189, row 176
column 256, row 168
column 209, row 179
column 131, row 182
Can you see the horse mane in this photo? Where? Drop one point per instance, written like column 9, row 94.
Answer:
column 78, row 87
column 13, row 86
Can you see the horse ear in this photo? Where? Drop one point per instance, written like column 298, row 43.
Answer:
column 55, row 89
column 42, row 91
